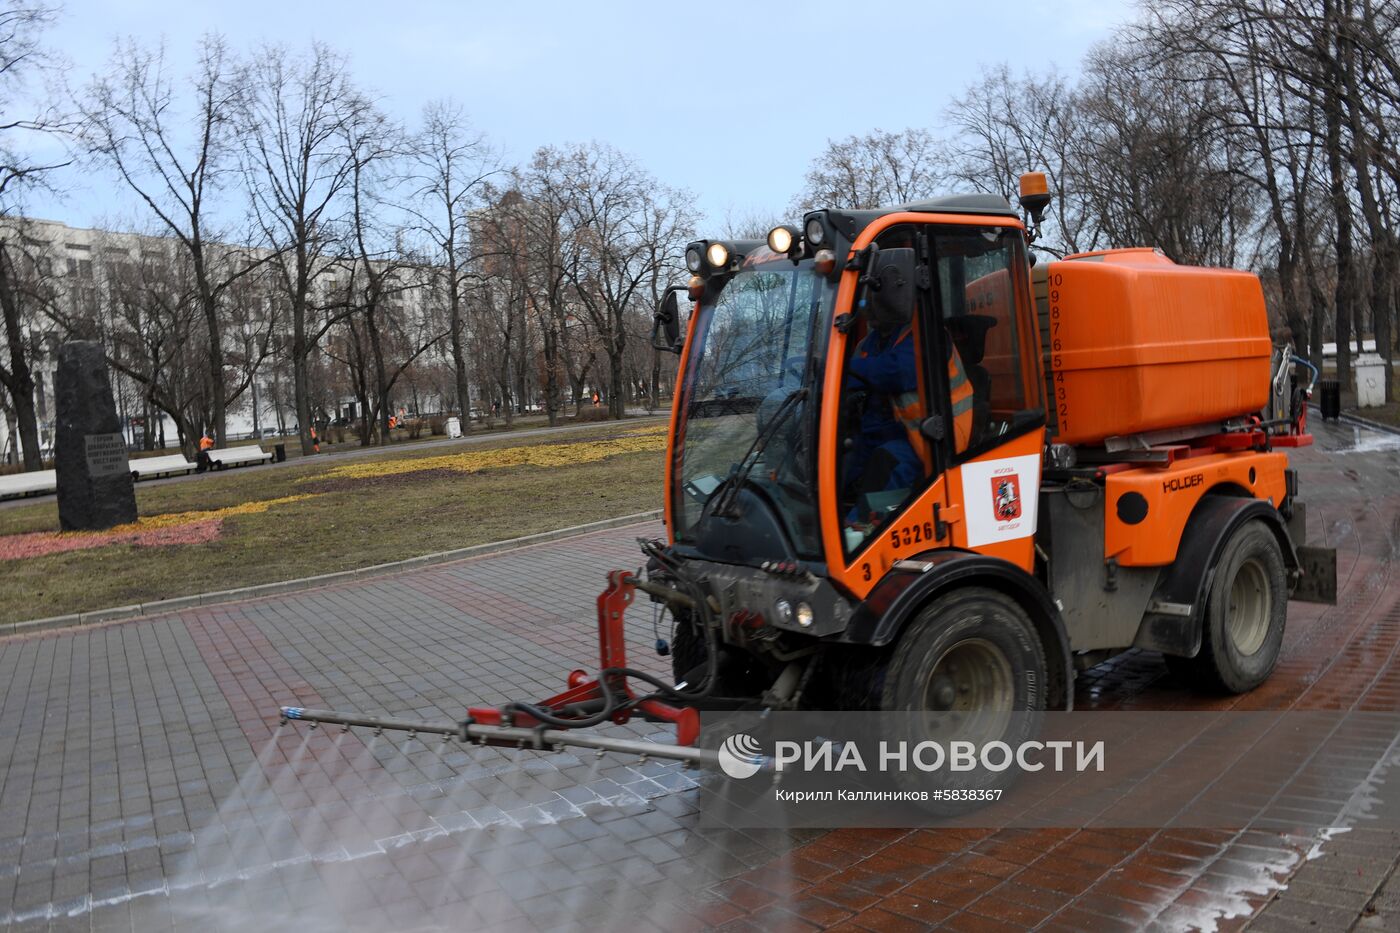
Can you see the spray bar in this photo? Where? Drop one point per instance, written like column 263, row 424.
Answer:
column 537, row 737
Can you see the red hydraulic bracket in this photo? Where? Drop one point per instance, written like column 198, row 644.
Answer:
column 612, row 653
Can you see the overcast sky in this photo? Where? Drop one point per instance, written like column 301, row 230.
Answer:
column 729, row 101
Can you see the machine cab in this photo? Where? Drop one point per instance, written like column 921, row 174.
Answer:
column 859, row 392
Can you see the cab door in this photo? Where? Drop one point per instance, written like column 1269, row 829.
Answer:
column 892, row 450
column 947, row 454
column 986, row 319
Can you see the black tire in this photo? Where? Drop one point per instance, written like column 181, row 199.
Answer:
column 736, row 675
column 970, row 666
column 1182, row 669
column 1246, row 612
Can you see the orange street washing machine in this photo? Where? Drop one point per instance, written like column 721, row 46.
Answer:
column 912, row 468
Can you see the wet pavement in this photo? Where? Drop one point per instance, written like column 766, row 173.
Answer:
column 144, row 785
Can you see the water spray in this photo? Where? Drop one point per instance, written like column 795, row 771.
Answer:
column 557, row 722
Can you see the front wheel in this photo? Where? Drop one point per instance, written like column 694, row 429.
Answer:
column 970, row 667
column 1246, row 611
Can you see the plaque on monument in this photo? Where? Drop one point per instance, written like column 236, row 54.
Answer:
column 106, row 454
column 94, row 479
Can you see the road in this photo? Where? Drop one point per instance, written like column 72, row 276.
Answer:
column 145, row 785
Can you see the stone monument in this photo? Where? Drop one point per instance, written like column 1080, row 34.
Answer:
column 95, row 489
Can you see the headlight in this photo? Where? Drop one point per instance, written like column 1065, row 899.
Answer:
column 816, row 233
column 784, row 609
column 693, row 259
column 718, row 255
column 804, row 615
column 781, row 239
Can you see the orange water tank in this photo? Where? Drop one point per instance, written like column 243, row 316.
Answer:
column 1135, row 343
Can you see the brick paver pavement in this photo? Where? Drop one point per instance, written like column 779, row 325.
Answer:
column 143, row 784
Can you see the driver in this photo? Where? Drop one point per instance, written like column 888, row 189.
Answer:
column 887, row 451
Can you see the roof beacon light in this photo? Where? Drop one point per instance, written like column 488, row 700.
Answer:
column 1035, row 195
column 718, row 255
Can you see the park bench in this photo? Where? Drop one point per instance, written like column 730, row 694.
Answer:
column 149, row 467
column 37, row 483
column 238, row 456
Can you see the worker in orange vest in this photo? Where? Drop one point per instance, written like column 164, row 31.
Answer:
column 202, row 461
column 890, row 451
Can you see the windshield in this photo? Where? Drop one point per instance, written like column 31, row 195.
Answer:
column 756, row 344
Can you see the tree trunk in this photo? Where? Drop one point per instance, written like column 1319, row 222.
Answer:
column 459, row 360
column 215, row 353
column 1383, row 313
column 301, row 388
column 381, row 379
column 28, row 426
column 1345, row 294
column 655, row 379
column 18, row 379
column 551, row 375
column 1288, row 297
column 617, row 403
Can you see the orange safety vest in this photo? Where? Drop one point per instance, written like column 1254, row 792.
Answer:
column 909, row 406
column 206, row 443
column 960, row 390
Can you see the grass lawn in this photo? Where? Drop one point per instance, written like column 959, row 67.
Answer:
column 258, row 524
column 1386, row 414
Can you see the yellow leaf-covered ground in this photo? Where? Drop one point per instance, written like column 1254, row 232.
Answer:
column 537, row 455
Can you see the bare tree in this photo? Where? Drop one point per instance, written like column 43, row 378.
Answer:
column 296, row 111
column 1277, row 131
column 154, row 317
column 22, row 301
column 21, row 57
column 1006, row 126
column 451, row 165
column 1151, row 161
column 624, row 228
column 381, row 276
column 131, row 122
column 879, row 169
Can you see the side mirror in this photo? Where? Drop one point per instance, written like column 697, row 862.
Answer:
column 666, row 328
column 889, row 293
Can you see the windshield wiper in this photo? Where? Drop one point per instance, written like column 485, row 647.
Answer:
column 741, row 471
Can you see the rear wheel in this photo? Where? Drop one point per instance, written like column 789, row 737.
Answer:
column 970, row 667
column 1246, row 611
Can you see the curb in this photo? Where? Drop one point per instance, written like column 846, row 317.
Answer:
column 1359, row 421
column 1354, row 420
column 178, row 603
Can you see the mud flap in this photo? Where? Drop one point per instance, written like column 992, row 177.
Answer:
column 1317, row 581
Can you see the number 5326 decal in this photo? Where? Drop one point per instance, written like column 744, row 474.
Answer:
column 911, row 534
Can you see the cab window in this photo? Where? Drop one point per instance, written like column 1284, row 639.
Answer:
column 992, row 370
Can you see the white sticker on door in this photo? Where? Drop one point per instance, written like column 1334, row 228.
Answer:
column 1000, row 499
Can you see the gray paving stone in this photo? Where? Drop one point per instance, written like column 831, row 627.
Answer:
column 157, row 766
